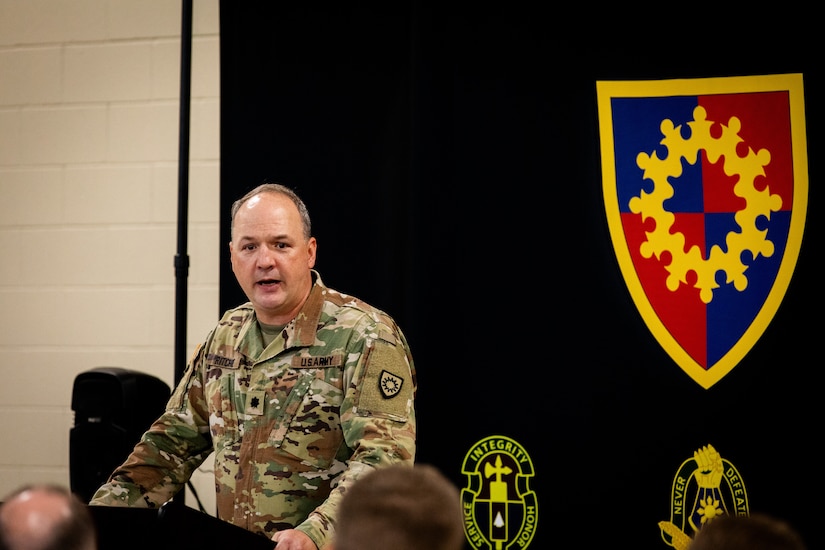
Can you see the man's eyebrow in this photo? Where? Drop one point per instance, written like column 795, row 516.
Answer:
column 281, row 237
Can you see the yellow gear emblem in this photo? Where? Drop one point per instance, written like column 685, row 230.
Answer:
column 757, row 203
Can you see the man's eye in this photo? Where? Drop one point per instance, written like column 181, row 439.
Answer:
column 281, row 245
column 249, row 247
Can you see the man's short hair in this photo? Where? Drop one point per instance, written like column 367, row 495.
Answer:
column 753, row 532
column 400, row 507
column 70, row 526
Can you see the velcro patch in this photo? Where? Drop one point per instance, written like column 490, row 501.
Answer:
column 386, row 388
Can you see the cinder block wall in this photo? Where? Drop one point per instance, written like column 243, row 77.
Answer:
column 89, row 140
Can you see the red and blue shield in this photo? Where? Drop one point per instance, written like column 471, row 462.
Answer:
column 705, row 189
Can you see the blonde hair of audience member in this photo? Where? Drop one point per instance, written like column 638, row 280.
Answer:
column 400, row 507
column 45, row 517
column 754, row 532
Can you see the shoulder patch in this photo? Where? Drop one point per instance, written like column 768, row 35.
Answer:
column 390, row 384
column 387, row 388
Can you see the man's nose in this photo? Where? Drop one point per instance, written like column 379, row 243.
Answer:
column 266, row 257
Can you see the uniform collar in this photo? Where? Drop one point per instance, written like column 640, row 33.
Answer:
column 300, row 331
column 305, row 324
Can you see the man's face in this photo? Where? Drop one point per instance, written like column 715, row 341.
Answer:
column 271, row 258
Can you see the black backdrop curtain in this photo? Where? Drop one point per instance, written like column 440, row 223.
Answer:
column 450, row 160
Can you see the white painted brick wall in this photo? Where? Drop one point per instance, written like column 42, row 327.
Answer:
column 89, row 112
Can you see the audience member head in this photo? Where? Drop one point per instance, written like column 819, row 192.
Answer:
column 400, row 507
column 754, row 532
column 45, row 517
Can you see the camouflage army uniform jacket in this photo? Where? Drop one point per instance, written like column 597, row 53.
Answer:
column 290, row 425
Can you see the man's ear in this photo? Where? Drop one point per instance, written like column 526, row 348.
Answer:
column 312, row 251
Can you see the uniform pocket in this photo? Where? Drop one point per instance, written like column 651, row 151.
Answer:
column 223, row 419
column 311, row 431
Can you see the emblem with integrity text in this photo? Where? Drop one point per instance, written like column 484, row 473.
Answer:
column 500, row 509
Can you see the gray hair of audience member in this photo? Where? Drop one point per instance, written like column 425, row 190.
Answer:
column 753, row 532
column 45, row 517
column 400, row 507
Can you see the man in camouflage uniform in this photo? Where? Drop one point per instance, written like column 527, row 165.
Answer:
column 298, row 392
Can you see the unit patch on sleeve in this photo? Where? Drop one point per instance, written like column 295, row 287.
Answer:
column 385, row 388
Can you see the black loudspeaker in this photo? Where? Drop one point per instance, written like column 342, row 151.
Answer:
column 112, row 408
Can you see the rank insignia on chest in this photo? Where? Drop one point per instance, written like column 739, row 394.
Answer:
column 255, row 403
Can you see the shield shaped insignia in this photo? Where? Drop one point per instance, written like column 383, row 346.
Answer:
column 500, row 507
column 705, row 185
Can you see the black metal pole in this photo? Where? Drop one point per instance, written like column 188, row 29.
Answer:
column 182, row 258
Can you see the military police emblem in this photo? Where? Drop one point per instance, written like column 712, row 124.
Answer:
column 705, row 487
column 705, row 185
column 500, row 509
